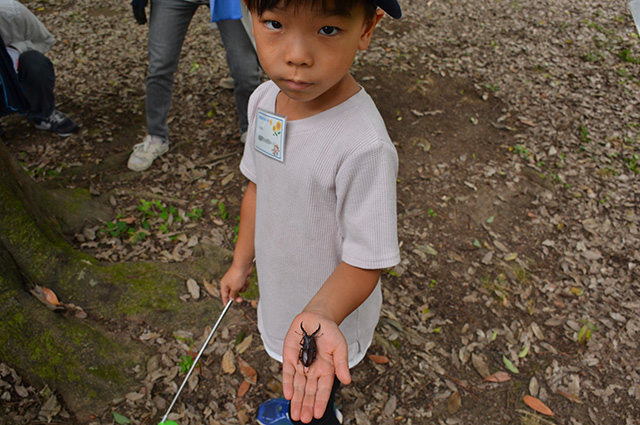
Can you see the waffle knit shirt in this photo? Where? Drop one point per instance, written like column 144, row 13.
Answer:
column 333, row 199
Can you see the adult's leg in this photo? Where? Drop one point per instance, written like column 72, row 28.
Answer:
column 37, row 79
column 168, row 24
column 243, row 64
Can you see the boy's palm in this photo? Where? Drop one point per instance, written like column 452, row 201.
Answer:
column 309, row 388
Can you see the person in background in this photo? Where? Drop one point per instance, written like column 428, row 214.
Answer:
column 28, row 77
column 168, row 24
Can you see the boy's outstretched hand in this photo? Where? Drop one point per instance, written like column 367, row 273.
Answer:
column 309, row 388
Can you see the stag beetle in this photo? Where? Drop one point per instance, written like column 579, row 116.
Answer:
column 309, row 349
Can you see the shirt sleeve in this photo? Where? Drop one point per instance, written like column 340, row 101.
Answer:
column 366, row 208
column 29, row 33
column 247, row 164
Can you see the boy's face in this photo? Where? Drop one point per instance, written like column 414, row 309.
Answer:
column 308, row 52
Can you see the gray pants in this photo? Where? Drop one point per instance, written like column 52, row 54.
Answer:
column 168, row 24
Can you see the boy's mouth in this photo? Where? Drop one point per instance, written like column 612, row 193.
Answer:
column 296, row 85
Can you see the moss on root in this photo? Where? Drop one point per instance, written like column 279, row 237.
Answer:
column 80, row 359
column 74, row 357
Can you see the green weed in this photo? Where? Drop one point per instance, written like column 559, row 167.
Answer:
column 594, row 57
column 625, row 56
column 222, row 209
column 584, row 134
column 522, row 151
column 631, row 162
column 185, row 363
column 152, row 214
column 584, row 335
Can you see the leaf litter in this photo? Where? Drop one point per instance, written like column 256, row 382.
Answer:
column 555, row 272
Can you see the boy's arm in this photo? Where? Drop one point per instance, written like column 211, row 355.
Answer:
column 343, row 292
column 309, row 389
column 236, row 278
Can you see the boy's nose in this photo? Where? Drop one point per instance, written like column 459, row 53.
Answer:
column 299, row 52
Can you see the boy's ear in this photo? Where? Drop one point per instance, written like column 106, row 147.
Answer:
column 367, row 29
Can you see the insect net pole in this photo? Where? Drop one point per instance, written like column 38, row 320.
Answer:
column 195, row 362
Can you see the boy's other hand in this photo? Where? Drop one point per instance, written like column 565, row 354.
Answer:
column 309, row 388
column 234, row 281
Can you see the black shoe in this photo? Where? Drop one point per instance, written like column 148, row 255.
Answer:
column 58, row 123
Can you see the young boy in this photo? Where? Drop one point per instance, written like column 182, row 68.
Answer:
column 319, row 213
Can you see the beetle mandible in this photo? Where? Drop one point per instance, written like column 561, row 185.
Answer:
column 309, row 349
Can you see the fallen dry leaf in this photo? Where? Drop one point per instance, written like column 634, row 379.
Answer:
column 247, row 371
column 211, row 288
column 480, row 365
column 21, row 391
column 228, row 365
column 379, row 359
column 534, row 386
column 243, row 388
column 498, row 377
column 227, row 179
column 527, row 121
column 50, row 408
column 39, row 293
column 571, row 397
column 537, row 405
column 243, row 416
column 194, row 288
column 134, row 396
column 50, row 296
column 455, row 403
column 244, row 345
column 77, row 311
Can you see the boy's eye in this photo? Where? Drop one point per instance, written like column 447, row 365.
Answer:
column 274, row 25
column 329, row 30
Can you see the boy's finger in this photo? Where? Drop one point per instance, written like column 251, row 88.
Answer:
column 341, row 363
column 308, row 402
column 224, row 294
column 299, row 384
column 325, row 384
column 288, row 372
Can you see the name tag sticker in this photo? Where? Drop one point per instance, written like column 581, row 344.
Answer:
column 269, row 136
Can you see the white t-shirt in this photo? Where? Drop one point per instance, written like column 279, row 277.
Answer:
column 332, row 199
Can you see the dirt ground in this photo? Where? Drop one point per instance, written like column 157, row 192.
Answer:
column 516, row 126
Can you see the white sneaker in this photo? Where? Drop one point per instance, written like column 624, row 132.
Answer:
column 243, row 138
column 144, row 153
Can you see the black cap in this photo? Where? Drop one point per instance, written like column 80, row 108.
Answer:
column 391, row 7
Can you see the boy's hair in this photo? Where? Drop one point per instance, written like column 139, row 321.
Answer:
column 339, row 7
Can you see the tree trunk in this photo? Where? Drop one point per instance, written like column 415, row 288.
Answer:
column 79, row 358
